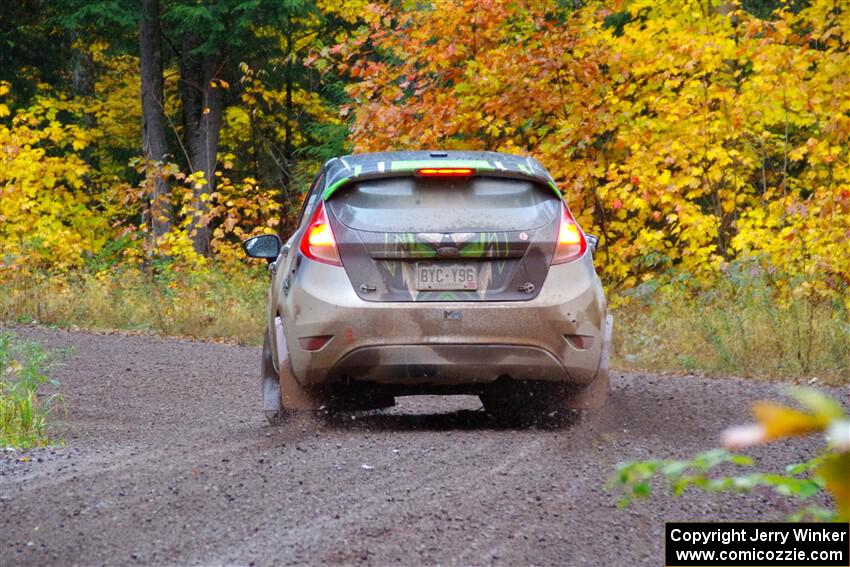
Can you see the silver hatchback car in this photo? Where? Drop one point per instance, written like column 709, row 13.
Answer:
column 434, row 272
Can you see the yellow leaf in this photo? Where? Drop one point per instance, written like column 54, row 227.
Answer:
column 780, row 421
column 797, row 153
column 835, row 471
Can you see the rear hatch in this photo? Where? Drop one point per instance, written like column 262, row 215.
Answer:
column 445, row 239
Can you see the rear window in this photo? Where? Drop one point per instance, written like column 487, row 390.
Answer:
column 476, row 204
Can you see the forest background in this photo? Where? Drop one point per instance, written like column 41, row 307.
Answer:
column 706, row 142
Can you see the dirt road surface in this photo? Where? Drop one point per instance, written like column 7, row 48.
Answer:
column 168, row 461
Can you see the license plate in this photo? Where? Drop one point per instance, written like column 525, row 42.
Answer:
column 446, row 276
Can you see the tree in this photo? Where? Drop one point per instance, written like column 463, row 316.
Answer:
column 211, row 40
column 153, row 113
column 208, row 43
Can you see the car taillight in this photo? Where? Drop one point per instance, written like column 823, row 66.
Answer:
column 318, row 242
column 571, row 242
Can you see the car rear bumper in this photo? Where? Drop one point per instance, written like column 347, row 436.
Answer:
column 444, row 342
column 439, row 364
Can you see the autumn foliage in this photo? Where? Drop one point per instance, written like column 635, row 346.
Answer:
column 699, row 140
column 687, row 134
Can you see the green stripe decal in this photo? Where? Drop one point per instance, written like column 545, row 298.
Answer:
column 413, row 165
column 337, row 184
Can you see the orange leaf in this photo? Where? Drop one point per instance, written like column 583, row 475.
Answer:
column 835, row 471
column 781, row 421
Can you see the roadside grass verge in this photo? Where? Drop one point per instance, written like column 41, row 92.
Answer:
column 24, row 410
column 736, row 328
column 215, row 305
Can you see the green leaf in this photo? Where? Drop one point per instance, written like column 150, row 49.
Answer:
column 745, row 482
column 674, row 469
column 642, row 490
column 710, row 459
column 742, row 460
column 808, row 489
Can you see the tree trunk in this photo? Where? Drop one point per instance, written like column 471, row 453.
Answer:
column 82, row 75
column 285, row 166
column 287, row 148
column 153, row 117
column 202, row 94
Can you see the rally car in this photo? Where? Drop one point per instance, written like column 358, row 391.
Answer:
column 434, row 273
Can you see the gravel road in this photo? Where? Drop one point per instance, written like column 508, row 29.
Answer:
column 168, row 460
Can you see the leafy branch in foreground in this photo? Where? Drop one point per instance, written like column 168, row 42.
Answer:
column 23, row 410
column 829, row 469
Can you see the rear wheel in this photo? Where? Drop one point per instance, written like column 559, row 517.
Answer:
column 284, row 396
column 272, row 405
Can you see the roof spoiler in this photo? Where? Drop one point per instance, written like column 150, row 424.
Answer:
column 410, row 168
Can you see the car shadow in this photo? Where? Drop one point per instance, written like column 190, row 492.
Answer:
column 459, row 420
column 661, row 407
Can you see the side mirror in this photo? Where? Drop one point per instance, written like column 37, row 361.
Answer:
column 592, row 242
column 266, row 246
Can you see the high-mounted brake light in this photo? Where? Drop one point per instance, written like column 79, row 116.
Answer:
column 571, row 242
column 445, row 172
column 318, row 242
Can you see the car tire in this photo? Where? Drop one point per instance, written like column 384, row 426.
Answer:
column 283, row 395
column 273, row 408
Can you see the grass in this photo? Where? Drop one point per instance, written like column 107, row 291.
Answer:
column 214, row 305
column 738, row 327
column 24, row 367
